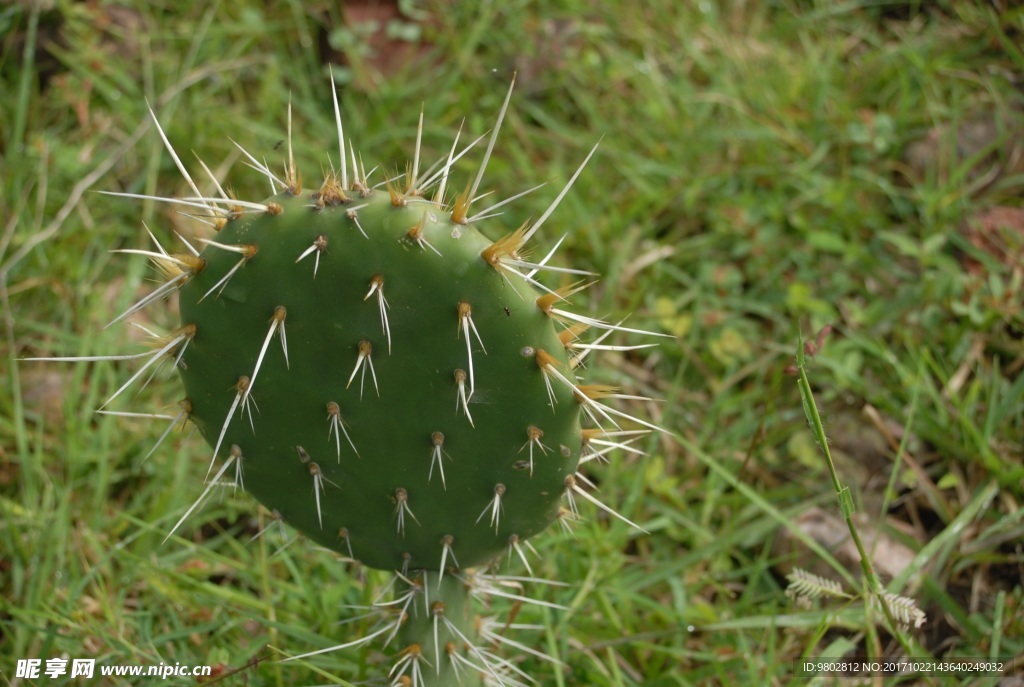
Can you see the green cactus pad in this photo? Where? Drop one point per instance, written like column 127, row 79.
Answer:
column 360, row 437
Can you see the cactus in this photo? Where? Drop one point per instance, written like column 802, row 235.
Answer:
column 391, row 383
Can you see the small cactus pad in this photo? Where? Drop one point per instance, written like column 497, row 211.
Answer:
column 394, row 384
column 382, row 383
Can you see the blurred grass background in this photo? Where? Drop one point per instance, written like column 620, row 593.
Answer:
column 766, row 169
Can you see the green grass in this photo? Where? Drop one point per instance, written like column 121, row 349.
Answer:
column 752, row 186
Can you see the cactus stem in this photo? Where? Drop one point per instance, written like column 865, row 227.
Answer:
column 377, row 286
column 337, row 428
column 276, row 325
column 436, row 457
column 364, row 360
column 319, row 246
column 210, row 485
column 572, row 486
column 494, row 506
column 402, row 509
column 534, row 435
column 514, row 545
column 461, row 398
column 465, row 325
column 446, row 550
column 352, row 215
column 261, row 168
column 241, row 397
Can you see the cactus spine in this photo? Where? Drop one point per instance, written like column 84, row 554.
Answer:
column 393, row 384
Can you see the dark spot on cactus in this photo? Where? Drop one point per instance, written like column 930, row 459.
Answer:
column 303, row 455
column 565, row 450
column 521, row 465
